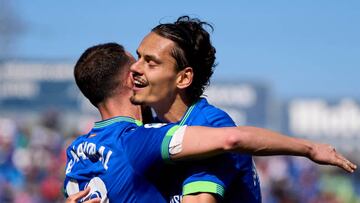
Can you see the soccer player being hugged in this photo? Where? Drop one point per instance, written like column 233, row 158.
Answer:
column 118, row 158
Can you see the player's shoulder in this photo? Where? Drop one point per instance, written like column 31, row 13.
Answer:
column 212, row 113
column 150, row 129
column 205, row 107
column 155, row 127
column 79, row 139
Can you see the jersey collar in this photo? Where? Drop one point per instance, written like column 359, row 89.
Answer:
column 107, row 122
column 190, row 110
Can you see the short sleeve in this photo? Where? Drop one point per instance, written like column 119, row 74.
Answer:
column 148, row 145
column 213, row 175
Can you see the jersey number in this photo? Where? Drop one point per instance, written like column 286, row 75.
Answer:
column 97, row 189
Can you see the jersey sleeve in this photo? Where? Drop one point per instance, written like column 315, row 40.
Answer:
column 148, row 145
column 212, row 175
column 217, row 118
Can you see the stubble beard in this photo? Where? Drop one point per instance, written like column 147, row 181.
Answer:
column 134, row 101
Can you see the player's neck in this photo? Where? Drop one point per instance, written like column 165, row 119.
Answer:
column 119, row 106
column 173, row 112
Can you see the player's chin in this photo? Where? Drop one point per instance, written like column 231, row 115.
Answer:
column 136, row 101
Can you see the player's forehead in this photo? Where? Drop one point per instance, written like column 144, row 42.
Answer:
column 156, row 45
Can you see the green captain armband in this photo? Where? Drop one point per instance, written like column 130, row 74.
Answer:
column 165, row 143
column 203, row 186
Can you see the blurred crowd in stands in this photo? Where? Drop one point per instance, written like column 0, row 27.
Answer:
column 32, row 161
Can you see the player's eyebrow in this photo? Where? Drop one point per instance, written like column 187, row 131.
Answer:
column 149, row 57
column 152, row 58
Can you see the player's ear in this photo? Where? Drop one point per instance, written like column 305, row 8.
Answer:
column 128, row 80
column 184, row 78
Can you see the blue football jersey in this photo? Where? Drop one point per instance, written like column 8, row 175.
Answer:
column 231, row 176
column 114, row 159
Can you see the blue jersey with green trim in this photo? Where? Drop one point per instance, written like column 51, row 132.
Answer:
column 233, row 173
column 115, row 158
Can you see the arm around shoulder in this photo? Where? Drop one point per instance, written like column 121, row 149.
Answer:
column 201, row 142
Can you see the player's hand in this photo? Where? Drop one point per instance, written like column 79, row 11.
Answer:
column 327, row 155
column 77, row 196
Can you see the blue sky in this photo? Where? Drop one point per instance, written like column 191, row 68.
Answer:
column 300, row 48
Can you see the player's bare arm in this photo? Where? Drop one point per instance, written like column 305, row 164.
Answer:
column 199, row 142
column 199, row 198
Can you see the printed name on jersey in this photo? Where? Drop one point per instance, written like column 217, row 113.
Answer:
column 176, row 199
column 88, row 150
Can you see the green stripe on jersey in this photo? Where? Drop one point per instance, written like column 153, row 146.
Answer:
column 166, row 141
column 187, row 114
column 110, row 121
column 203, row 186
